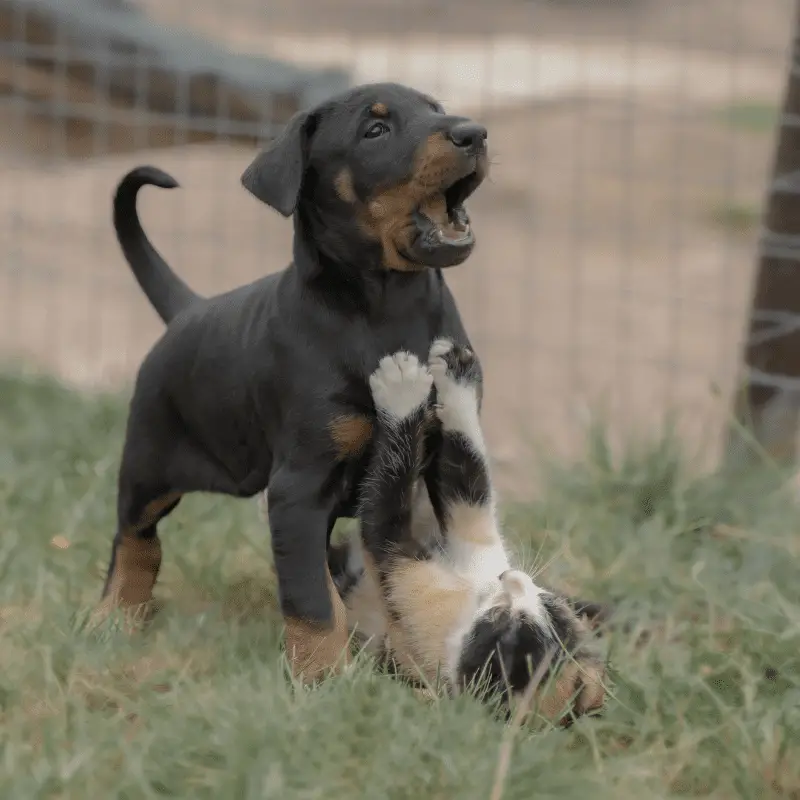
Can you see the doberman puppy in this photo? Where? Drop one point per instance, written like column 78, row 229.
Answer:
column 266, row 386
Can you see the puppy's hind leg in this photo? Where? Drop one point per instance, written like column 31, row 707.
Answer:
column 142, row 501
column 136, row 550
column 159, row 465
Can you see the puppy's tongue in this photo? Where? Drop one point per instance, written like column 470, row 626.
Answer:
column 435, row 209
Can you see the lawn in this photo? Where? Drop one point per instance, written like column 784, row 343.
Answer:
column 706, row 686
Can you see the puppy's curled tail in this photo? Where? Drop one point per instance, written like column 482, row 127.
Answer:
column 167, row 293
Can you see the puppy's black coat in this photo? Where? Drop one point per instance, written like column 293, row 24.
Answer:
column 266, row 385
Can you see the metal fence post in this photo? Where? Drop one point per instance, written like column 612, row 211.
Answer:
column 767, row 405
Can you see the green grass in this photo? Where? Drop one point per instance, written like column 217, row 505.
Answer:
column 751, row 116
column 735, row 217
column 706, row 692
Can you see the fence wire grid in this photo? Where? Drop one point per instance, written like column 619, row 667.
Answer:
column 618, row 237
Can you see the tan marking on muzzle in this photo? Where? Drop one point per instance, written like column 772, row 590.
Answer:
column 387, row 216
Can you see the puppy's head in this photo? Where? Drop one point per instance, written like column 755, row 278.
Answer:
column 381, row 170
column 516, row 628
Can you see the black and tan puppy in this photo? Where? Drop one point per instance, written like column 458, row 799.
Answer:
column 267, row 385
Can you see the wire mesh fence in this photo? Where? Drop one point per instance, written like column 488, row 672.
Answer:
column 632, row 144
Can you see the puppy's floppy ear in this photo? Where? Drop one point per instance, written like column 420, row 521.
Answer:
column 276, row 174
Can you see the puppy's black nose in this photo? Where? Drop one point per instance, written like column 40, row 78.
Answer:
column 469, row 135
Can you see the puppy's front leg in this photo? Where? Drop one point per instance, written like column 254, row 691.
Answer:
column 313, row 612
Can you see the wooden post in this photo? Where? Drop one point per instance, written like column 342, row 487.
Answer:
column 767, row 404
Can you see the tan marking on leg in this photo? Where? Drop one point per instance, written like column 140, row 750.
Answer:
column 350, row 434
column 154, row 509
column 314, row 650
column 136, row 565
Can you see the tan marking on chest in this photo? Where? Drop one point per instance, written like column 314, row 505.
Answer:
column 350, row 434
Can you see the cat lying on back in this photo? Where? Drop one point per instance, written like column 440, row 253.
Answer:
column 429, row 581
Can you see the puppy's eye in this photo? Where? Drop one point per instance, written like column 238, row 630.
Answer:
column 375, row 130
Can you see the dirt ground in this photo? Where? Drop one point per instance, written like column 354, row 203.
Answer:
column 603, row 279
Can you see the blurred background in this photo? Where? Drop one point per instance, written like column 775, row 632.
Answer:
column 620, row 240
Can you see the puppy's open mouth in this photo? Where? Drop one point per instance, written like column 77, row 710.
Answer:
column 446, row 213
column 445, row 235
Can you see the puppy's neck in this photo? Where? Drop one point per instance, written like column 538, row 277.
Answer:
column 349, row 271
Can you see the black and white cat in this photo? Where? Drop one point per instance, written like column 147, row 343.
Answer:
column 429, row 580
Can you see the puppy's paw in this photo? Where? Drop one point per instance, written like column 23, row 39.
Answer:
column 315, row 652
column 456, row 375
column 400, row 385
